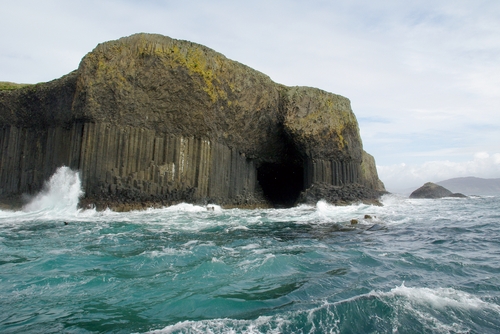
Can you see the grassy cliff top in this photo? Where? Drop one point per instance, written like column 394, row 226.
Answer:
column 5, row 85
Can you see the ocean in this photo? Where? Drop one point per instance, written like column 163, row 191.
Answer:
column 409, row 266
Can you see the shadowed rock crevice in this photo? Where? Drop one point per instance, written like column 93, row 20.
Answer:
column 281, row 183
column 282, row 180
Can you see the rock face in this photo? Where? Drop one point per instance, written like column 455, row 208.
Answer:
column 153, row 120
column 432, row 190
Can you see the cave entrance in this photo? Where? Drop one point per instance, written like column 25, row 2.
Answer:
column 281, row 182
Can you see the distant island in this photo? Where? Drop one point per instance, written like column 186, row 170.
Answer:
column 150, row 121
column 472, row 185
column 432, row 190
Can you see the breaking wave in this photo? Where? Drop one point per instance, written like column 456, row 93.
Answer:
column 401, row 310
column 60, row 194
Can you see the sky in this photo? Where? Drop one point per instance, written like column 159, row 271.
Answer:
column 423, row 77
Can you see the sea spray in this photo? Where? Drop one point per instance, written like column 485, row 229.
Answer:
column 60, row 193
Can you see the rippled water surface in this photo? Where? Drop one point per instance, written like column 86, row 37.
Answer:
column 417, row 266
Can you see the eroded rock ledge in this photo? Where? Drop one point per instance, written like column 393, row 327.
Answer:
column 150, row 120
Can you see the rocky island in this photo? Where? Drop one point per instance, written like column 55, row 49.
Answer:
column 150, row 121
column 431, row 190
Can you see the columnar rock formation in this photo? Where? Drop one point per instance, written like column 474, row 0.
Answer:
column 149, row 119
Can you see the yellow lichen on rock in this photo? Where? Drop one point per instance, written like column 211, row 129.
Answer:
column 318, row 116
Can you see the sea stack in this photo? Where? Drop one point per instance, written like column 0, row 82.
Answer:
column 150, row 120
column 432, row 190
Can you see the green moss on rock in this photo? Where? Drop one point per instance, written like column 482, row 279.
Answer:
column 4, row 85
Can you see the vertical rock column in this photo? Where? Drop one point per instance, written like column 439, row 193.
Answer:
column 333, row 172
column 30, row 156
column 135, row 160
column 162, row 166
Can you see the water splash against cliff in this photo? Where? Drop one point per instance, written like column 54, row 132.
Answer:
column 60, row 193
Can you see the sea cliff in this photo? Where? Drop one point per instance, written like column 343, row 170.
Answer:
column 149, row 120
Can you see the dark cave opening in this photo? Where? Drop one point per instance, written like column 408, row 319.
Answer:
column 281, row 182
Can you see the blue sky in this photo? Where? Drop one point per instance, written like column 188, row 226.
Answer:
column 423, row 77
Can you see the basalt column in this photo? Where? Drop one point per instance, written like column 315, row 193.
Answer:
column 332, row 172
column 131, row 164
column 127, row 164
column 25, row 161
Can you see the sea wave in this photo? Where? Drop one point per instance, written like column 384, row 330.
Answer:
column 401, row 310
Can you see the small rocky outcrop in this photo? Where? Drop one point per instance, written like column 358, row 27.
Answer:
column 150, row 120
column 432, row 190
column 345, row 194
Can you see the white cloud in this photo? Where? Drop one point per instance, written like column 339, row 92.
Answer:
column 401, row 177
column 496, row 158
column 481, row 156
column 423, row 77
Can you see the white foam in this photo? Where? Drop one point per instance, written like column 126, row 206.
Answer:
column 239, row 227
column 60, row 193
column 328, row 213
column 7, row 213
column 186, row 207
column 226, row 326
column 166, row 251
column 422, row 303
column 250, row 246
column 441, row 298
column 190, row 243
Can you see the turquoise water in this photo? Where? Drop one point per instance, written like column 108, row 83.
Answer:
column 418, row 266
